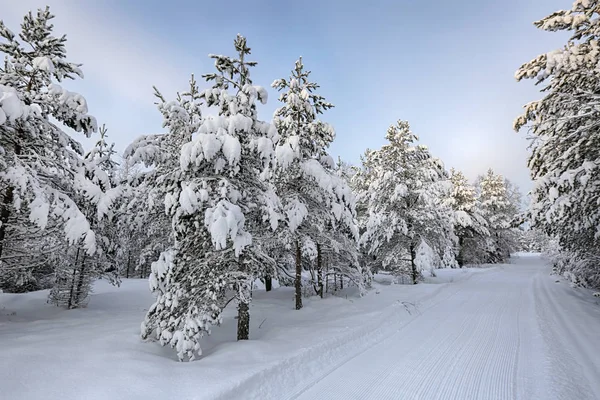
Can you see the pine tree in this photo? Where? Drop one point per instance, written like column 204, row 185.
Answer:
column 76, row 270
column 499, row 213
column 315, row 200
column 152, row 171
column 402, row 193
column 564, row 132
column 221, row 207
column 42, row 166
column 534, row 240
column 469, row 223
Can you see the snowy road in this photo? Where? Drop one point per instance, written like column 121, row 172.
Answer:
column 510, row 333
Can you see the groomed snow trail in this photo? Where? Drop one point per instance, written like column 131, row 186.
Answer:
column 511, row 333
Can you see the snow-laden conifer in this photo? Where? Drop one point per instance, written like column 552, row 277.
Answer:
column 564, row 128
column 470, row 224
column 500, row 214
column 403, row 190
column 221, row 206
column 42, row 167
column 75, row 269
column 318, row 204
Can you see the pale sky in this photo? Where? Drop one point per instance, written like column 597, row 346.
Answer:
column 445, row 66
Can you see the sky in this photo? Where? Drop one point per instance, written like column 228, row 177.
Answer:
column 447, row 67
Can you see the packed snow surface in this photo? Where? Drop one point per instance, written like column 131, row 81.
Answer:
column 509, row 332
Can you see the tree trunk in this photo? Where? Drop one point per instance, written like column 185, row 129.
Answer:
column 5, row 215
column 9, row 197
column 268, row 283
column 243, row 327
column 320, row 271
column 244, row 295
column 128, row 264
column 341, row 282
column 72, row 290
column 413, row 265
column 298, row 280
column 460, row 256
column 80, row 283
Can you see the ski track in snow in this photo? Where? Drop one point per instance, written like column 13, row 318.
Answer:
column 512, row 333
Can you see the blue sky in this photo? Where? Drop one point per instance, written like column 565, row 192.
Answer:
column 445, row 66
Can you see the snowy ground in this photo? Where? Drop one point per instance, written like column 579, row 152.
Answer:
column 499, row 333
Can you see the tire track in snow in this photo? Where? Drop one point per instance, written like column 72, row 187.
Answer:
column 510, row 334
column 479, row 361
column 571, row 368
column 443, row 366
column 435, row 365
column 454, row 290
column 504, row 344
column 437, row 357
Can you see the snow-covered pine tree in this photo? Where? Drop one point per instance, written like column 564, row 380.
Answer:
column 499, row 214
column 316, row 201
column 42, row 166
column 403, row 191
column 152, row 171
column 222, row 208
column 566, row 141
column 470, row 225
column 534, row 240
column 76, row 270
column 348, row 261
column 143, row 230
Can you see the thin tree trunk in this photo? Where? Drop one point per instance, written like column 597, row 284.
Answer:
column 128, row 264
column 243, row 326
column 341, row 282
column 327, row 279
column 80, row 283
column 460, row 256
column 298, row 280
column 413, row 265
column 5, row 215
column 72, row 290
column 268, row 283
column 9, row 197
column 320, row 271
